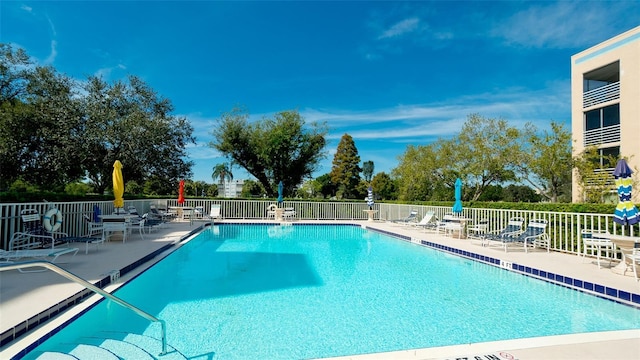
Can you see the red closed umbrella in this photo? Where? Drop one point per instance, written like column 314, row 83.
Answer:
column 181, row 193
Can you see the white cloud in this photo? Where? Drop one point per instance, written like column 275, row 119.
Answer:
column 404, row 123
column 202, row 151
column 53, row 54
column 401, row 28
column 26, row 8
column 564, row 24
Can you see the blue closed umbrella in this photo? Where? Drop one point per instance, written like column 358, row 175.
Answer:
column 96, row 214
column 457, row 206
column 280, row 190
column 626, row 212
column 370, row 197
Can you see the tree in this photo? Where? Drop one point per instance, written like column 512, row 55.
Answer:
column 520, row 193
column 345, row 171
column 39, row 124
column 53, row 132
column 418, row 173
column 222, row 173
column 272, row 150
column 546, row 163
column 484, row 153
column 367, row 170
column 309, row 189
column 384, row 186
column 130, row 122
column 14, row 70
column 492, row 193
column 326, row 187
column 593, row 174
column 251, row 188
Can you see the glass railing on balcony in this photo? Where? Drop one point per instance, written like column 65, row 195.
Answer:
column 601, row 95
column 605, row 135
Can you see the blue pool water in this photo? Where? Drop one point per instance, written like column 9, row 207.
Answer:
column 299, row 292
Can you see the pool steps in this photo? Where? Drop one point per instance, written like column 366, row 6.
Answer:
column 109, row 345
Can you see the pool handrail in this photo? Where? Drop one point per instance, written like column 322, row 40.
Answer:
column 95, row 289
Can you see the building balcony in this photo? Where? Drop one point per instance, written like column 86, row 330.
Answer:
column 601, row 178
column 605, row 135
column 601, row 95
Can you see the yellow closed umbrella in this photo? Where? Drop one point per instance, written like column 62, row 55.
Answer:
column 118, row 185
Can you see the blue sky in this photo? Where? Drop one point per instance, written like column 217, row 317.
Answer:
column 390, row 74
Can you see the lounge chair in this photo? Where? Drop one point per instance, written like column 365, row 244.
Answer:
column 597, row 245
column 534, row 235
column 412, row 217
column 428, row 222
column 34, row 234
column 132, row 211
column 40, row 254
column 150, row 222
column 513, row 228
column 198, row 212
column 156, row 213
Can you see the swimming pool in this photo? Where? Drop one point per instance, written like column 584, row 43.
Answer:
column 292, row 292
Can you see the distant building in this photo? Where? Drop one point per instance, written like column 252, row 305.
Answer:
column 230, row 189
column 605, row 102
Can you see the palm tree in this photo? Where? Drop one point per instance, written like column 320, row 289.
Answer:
column 223, row 173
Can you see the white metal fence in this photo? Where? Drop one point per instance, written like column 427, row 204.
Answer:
column 564, row 228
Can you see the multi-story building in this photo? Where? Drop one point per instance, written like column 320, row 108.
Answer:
column 230, row 189
column 605, row 103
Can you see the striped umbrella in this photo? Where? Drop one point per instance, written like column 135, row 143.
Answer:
column 370, row 197
column 626, row 212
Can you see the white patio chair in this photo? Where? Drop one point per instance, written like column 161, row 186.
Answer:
column 477, row 230
column 215, row 212
column 289, row 213
column 594, row 244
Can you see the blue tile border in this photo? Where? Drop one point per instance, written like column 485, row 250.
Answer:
column 398, row 236
column 608, row 293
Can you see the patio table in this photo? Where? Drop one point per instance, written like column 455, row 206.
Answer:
column 626, row 244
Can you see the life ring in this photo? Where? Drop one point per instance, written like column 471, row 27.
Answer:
column 272, row 207
column 52, row 220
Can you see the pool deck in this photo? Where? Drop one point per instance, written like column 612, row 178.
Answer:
column 25, row 295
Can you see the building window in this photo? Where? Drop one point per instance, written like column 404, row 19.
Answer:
column 603, row 117
column 611, row 115
column 600, row 77
column 609, row 156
